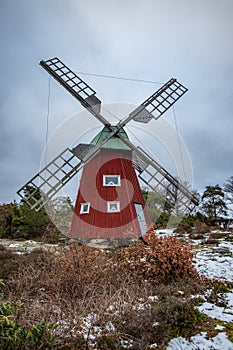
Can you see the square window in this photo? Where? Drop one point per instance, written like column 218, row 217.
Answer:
column 111, row 180
column 85, row 207
column 113, row 207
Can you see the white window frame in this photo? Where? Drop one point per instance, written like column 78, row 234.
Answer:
column 82, row 208
column 109, row 207
column 111, row 184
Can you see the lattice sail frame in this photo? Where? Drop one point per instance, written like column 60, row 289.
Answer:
column 75, row 85
column 66, row 165
column 50, row 179
column 158, row 103
column 159, row 180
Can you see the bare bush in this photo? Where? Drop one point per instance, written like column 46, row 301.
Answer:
column 105, row 295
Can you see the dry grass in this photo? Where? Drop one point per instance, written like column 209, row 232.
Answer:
column 111, row 289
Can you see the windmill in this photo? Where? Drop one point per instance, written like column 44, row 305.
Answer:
column 109, row 204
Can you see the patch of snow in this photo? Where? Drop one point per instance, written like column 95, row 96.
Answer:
column 165, row 232
column 212, row 262
column 88, row 324
column 116, row 307
column 229, row 299
column 153, row 298
column 145, row 304
column 216, row 262
column 200, row 342
column 227, row 245
column 127, row 344
column 110, row 327
column 110, row 308
column 216, row 312
column 202, row 296
column 84, row 327
column 22, row 247
column 141, row 307
column 219, row 327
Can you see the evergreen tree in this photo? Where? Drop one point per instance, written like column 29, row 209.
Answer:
column 9, row 219
column 213, row 202
column 228, row 188
column 32, row 223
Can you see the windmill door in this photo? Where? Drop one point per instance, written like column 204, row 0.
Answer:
column 141, row 218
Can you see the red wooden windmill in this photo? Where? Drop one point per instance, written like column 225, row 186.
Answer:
column 111, row 206
column 109, row 203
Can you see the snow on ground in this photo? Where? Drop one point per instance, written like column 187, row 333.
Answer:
column 216, row 262
column 200, row 342
column 217, row 312
column 22, row 247
column 165, row 232
column 213, row 262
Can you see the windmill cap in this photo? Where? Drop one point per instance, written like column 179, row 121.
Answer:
column 114, row 142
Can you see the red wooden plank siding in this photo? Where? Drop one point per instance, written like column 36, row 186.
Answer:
column 98, row 223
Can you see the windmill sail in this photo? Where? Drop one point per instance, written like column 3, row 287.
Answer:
column 75, row 85
column 56, row 174
column 82, row 150
column 50, row 179
column 66, row 165
column 159, row 179
column 159, row 102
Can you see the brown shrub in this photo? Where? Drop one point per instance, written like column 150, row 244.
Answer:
column 77, row 281
column 218, row 235
column 183, row 228
column 163, row 259
column 196, row 236
column 9, row 262
column 210, row 241
column 201, row 228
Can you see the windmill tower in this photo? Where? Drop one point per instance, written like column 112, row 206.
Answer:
column 109, row 203
column 111, row 206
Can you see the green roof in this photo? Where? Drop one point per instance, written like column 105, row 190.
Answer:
column 114, row 142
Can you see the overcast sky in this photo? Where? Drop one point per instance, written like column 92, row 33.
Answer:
column 151, row 39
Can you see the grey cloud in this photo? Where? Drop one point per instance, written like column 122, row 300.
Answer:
column 152, row 40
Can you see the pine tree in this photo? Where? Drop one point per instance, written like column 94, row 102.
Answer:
column 32, row 223
column 228, row 188
column 213, row 202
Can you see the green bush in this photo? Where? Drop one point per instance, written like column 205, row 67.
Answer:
column 178, row 318
column 15, row 336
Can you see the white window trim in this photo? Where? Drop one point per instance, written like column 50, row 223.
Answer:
column 82, row 206
column 111, row 185
column 113, row 211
